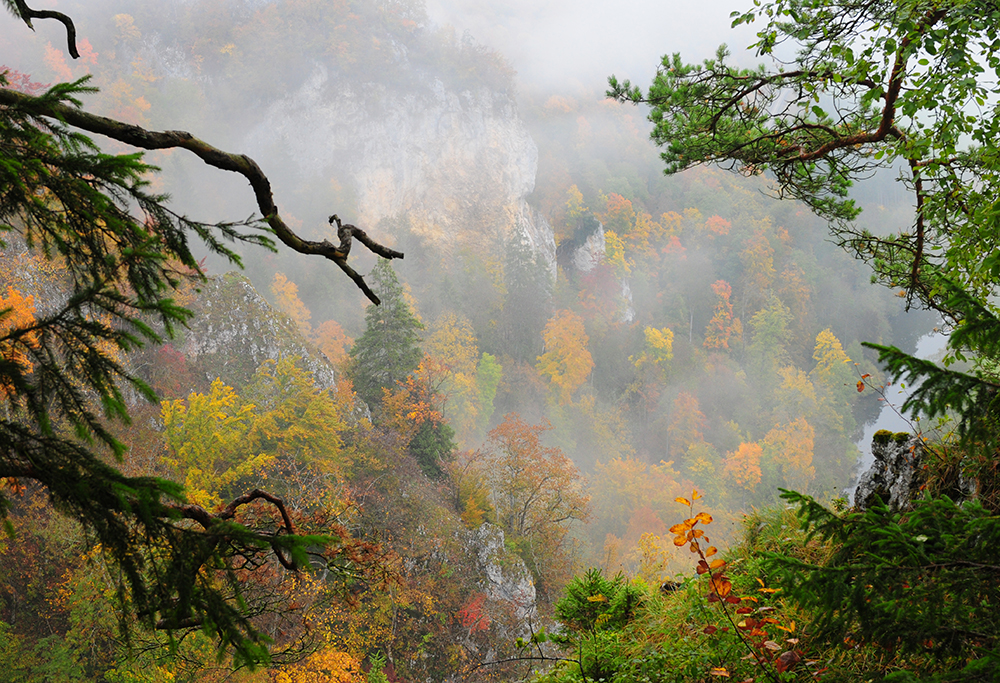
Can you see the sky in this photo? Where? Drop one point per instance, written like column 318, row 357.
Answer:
column 566, row 45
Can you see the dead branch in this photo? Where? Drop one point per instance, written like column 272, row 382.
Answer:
column 226, row 161
column 27, row 14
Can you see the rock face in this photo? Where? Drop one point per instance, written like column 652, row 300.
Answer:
column 590, row 253
column 506, row 578
column 457, row 165
column 234, row 330
column 895, row 476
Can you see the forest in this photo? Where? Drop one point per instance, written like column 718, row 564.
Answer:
column 542, row 410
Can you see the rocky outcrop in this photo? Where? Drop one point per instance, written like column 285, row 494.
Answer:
column 896, row 475
column 590, row 253
column 458, row 165
column 234, row 330
column 506, row 578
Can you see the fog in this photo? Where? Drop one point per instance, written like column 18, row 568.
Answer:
column 662, row 333
column 567, row 46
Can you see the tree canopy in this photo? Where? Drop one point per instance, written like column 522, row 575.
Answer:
column 909, row 86
column 906, row 86
column 64, row 379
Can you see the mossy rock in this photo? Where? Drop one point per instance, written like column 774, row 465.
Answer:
column 882, row 437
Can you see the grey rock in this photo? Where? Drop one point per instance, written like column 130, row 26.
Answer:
column 458, row 164
column 506, row 577
column 234, row 330
column 896, row 474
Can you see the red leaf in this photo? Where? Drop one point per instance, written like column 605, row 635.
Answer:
column 787, row 660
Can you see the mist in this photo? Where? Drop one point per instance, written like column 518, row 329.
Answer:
column 645, row 335
column 566, row 47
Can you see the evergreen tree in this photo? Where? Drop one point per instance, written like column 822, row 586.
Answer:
column 64, row 376
column 388, row 350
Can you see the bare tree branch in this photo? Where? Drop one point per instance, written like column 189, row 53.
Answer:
column 237, row 163
column 27, row 14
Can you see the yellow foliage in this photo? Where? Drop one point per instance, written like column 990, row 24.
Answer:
column 566, row 361
column 614, row 254
column 327, row 665
column 791, row 446
column 286, row 298
column 828, row 354
column 574, row 203
column 452, row 342
column 658, row 350
column 743, row 465
column 17, row 313
column 333, row 342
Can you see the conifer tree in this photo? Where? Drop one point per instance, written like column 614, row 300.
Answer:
column 388, row 350
column 64, row 372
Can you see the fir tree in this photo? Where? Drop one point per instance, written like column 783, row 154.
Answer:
column 388, row 350
column 64, row 374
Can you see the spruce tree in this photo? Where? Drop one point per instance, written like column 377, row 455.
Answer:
column 388, row 350
column 64, row 372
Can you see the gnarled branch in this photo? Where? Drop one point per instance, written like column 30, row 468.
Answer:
column 226, row 161
column 208, row 520
column 27, row 14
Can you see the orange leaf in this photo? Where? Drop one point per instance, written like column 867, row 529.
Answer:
column 694, row 546
column 861, row 386
column 696, row 533
column 695, row 495
column 711, row 550
column 716, row 564
column 680, row 540
column 721, row 586
column 719, row 671
column 681, row 528
column 683, row 501
column 704, row 517
column 702, row 567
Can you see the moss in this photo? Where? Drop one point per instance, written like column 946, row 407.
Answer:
column 882, row 437
column 901, row 437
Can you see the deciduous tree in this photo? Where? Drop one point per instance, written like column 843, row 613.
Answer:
column 125, row 253
column 566, row 362
column 723, row 329
column 536, row 492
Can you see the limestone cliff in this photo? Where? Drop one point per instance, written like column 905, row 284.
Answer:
column 458, row 165
column 234, row 330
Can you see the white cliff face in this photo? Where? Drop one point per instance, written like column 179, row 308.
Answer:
column 507, row 579
column 458, row 165
column 590, row 253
